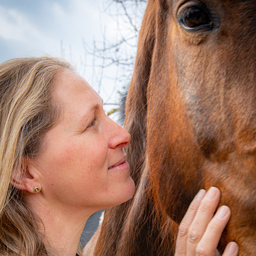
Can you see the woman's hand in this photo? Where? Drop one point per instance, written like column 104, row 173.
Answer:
column 200, row 230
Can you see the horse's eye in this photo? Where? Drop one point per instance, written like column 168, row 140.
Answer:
column 194, row 17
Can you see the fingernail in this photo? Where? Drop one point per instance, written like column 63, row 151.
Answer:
column 232, row 248
column 211, row 193
column 222, row 212
column 200, row 195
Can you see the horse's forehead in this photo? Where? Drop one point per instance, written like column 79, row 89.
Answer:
column 226, row 2
column 213, row 70
column 234, row 7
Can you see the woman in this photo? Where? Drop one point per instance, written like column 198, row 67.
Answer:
column 62, row 159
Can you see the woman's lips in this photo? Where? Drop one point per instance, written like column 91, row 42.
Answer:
column 120, row 164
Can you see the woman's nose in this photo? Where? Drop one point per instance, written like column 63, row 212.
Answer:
column 119, row 136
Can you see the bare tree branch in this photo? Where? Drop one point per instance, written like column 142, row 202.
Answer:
column 117, row 55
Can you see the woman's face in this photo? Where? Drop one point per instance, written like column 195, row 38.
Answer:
column 82, row 163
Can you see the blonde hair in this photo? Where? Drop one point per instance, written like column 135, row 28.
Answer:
column 26, row 113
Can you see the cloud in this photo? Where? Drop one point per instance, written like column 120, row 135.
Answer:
column 52, row 27
column 15, row 26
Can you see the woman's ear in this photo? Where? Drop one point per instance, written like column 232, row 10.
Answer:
column 25, row 178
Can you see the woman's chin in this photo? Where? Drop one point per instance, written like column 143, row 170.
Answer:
column 126, row 193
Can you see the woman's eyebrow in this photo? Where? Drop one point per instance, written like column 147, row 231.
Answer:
column 89, row 112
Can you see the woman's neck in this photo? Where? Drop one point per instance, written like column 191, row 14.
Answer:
column 61, row 228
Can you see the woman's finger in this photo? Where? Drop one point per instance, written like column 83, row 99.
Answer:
column 231, row 249
column 200, row 231
column 211, row 237
column 202, row 219
column 181, row 244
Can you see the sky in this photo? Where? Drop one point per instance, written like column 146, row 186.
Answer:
column 62, row 28
column 36, row 27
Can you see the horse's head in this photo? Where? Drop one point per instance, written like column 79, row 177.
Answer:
column 201, row 108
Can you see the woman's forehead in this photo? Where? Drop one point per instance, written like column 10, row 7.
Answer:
column 71, row 90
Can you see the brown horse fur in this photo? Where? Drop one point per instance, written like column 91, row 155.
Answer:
column 191, row 112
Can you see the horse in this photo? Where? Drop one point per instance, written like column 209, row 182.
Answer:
column 191, row 113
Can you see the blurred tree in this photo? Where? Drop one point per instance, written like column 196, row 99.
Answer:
column 114, row 55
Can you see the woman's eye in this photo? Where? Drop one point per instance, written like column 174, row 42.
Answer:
column 92, row 123
column 194, row 16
